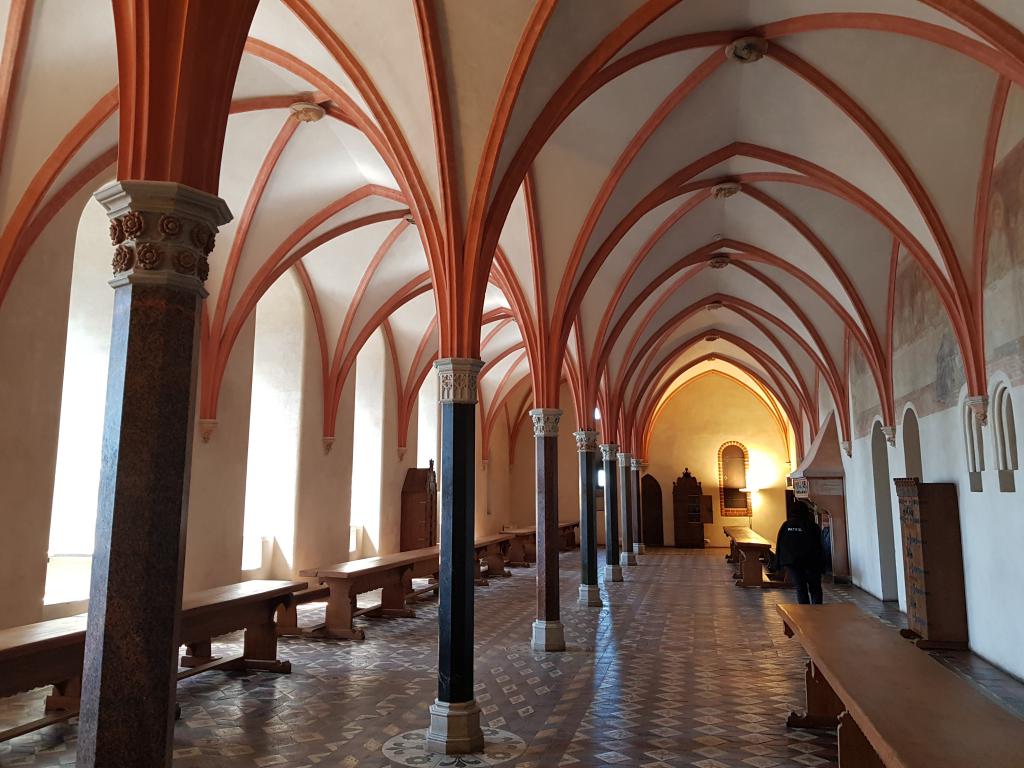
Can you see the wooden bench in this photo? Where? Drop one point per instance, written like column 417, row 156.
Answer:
column 491, row 551
column 567, row 531
column 746, row 550
column 522, row 549
column 894, row 705
column 392, row 574
column 287, row 615
column 52, row 652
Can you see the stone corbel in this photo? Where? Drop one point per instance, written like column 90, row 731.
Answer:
column 401, row 452
column 328, row 444
column 979, row 405
column 847, row 447
column 206, row 429
column 890, row 435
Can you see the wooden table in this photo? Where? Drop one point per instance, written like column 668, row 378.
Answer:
column 746, row 548
column 52, row 652
column 392, row 574
column 894, row 704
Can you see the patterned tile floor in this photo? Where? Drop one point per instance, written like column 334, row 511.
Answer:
column 680, row 668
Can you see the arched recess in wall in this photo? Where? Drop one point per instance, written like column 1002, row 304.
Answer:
column 427, row 411
column 274, row 422
column 733, row 466
column 1004, row 435
column 83, row 403
column 368, row 444
column 912, row 445
column 974, row 447
column 883, row 514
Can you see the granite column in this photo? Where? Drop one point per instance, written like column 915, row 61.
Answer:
column 586, row 445
column 612, row 568
column 454, row 715
column 548, row 634
column 162, row 234
column 628, row 556
column 636, row 467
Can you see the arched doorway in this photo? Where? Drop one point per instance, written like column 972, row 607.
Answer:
column 653, row 522
column 883, row 514
column 912, row 445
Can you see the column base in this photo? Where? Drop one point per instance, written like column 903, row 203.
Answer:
column 548, row 636
column 454, row 728
column 590, row 596
column 612, row 573
column 640, row 549
column 627, row 558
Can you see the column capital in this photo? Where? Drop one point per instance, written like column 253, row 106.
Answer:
column 457, row 377
column 608, row 451
column 624, row 459
column 162, row 232
column 978, row 404
column 890, row 434
column 586, row 441
column 636, row 464
column 545, row 421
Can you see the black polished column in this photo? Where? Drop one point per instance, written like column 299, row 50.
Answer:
column 628, row 556
column 636, row 465
column 548, row 634
column 590, row 592
column 612, row 569
column 162, row 233
column 454, row 715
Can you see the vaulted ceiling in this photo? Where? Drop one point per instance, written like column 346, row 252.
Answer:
column 624, row 196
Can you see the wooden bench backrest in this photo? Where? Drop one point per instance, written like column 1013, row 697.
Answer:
column 914, row 711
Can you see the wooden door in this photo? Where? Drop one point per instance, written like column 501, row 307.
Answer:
column 650, row 500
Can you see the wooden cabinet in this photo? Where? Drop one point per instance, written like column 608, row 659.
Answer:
column 933, row 564
column 687, row 511
column 419, row 508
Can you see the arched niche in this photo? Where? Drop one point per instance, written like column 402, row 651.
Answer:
column 883, row 514
column 911, row 439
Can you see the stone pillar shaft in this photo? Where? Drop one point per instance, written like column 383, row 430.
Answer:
column 612, row 571
column 454, row 716
column 636, row 465
column 586, row 443
column 547, row 629
column 628, row 556
column 163, row 233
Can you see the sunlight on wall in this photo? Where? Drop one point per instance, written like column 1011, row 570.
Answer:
column 83, row 401
column 367, row 442
column 275, row 412
column 426, row 423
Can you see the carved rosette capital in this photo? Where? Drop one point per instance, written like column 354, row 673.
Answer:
column 608, row 451
column 545, row 421
column 890, row 434
column 163, row 232
column 457, row 378
column 586, row 441
column 979, row 405
column 624, row 459
column 636, row 464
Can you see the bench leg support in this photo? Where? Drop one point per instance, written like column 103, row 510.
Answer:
column 823, row 706
column 855, row 751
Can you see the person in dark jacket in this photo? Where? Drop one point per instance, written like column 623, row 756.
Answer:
column 798, row 548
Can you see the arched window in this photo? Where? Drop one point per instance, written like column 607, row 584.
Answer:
column 733, row 462
column 974, row 447
column 82, row 408
column 912, row 445
column 1004, row 435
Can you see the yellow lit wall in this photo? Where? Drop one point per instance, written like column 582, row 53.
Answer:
column 706, row 412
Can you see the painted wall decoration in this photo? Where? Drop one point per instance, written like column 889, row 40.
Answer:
column 1004, row 269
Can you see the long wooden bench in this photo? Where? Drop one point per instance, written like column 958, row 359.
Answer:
column 567, row 530
column 492, row 551
column 893, row 704
column 52, row 652
column 523, row 547
column 392, row 574
column 747, row 548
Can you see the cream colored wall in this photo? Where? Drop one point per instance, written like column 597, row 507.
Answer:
column 705, row 413
column 393, row 468
column 216, row 506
